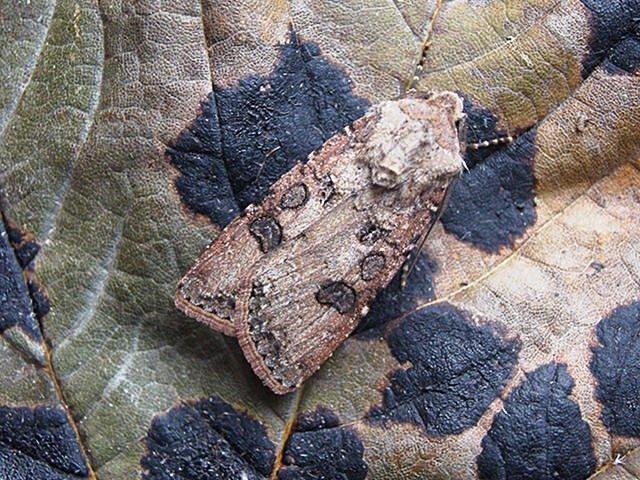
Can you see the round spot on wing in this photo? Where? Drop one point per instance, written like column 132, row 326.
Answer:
column 338, row 295
column 372, row 265
column 295, row 197
column 267, row 232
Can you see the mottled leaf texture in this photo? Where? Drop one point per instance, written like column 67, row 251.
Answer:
column 36, row 442
column 132, row 132
column 539, row 433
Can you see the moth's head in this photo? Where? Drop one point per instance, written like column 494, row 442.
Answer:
column 413, row 146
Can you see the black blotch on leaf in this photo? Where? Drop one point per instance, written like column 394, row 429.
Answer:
column 625, row 57
column 493, row 203
column 540, row 432
column 319, row 449
column 614, row 34
column 204, row 183
column 456, row 370
column 39, row 299
column 15, row 303
column 24, row 244
column 39, row 444
column 393, row 301
column 318, row 419
column 207, row 440
column 249, row 135
column 616, row 366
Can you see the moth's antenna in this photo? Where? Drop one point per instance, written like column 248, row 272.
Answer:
column 409, row 265
column 490, row 143
column 463, row 128
column 426, row 44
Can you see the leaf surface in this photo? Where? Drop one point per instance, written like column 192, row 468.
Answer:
column 131, row 132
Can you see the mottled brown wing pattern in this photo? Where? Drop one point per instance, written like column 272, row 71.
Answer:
column 208, row 292
column 297, row 305
column 292, row 276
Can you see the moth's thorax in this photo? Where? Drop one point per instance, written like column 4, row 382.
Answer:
column 413, row 145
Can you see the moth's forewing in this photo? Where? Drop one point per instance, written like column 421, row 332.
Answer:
column 209, row 289
column 292, row 276
column 300, row 298
column 208, row 292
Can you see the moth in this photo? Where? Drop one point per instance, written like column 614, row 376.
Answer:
column 292, row 276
